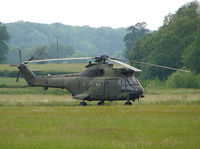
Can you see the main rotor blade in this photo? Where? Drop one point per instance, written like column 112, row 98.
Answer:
column 28, row 61
column 32, row 57
column 160, row 66
column 59, row 59
column 18, row 76
column 125, row 65
column 20, row 56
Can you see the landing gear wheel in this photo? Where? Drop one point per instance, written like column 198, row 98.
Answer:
column 128, row 103
column 100, row 103
column 83, row 103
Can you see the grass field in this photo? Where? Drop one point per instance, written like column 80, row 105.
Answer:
column 33, row 119
column 45, row 69
column 146, row 126
column 75, row 67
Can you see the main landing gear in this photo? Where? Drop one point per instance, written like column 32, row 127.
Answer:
column 83, row 103
column 100, row 103
column 128, row 103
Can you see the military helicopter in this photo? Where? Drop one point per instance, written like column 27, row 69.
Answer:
column 100, row 81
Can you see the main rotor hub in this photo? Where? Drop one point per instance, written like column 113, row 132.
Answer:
column 102, row 59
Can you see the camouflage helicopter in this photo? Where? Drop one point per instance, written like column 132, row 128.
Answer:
column 98, row 82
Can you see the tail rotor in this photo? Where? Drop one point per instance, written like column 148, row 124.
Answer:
column 20, row 65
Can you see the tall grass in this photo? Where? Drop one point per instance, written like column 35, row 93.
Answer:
column 55, row 97
column 154, row 95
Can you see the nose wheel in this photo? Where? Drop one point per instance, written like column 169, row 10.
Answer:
column 128, row 103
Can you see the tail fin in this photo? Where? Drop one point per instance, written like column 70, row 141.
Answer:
column 27, row 74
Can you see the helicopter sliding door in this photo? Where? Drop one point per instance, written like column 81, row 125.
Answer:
column 111, row 89
column 96, row 89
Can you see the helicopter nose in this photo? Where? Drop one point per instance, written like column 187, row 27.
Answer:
column 137, row 93
column 140, row 90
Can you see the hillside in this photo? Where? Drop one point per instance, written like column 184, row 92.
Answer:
column 90, row 41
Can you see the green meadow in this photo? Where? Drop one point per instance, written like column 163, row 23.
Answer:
column 67, row 67
column 31, row 118
column 116, row 126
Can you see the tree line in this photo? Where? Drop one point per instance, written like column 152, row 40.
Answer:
column 4, row 39
column 175, row 44
column 72, row 40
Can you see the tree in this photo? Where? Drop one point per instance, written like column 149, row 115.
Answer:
column 191, row 55
column 134, row 33
column 4, row 39
column 41, row 53
column 175, row 44
column 63, row 50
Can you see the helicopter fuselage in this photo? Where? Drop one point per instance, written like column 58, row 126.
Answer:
column 96, row 88
column 97, row 82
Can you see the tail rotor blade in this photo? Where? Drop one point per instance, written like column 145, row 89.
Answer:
column 18, row 76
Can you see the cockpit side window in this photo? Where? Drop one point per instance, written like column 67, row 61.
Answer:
column 128, row 81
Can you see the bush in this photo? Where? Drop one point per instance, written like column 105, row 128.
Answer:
column 156, row 83
column 183, row 80
column 3, row 85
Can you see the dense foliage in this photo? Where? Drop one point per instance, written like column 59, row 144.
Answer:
column 183, row 80
column 41, row 53
column 4, row 39
column 191, row 54
column 72, row 40
column 139, row 31
column 175, row 44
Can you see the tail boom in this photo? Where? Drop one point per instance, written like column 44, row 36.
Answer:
column 28, row 75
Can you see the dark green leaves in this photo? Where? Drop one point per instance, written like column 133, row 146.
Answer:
column 4, row 39
column 175, row 44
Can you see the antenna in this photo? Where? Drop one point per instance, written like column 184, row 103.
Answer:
column 57, row 48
